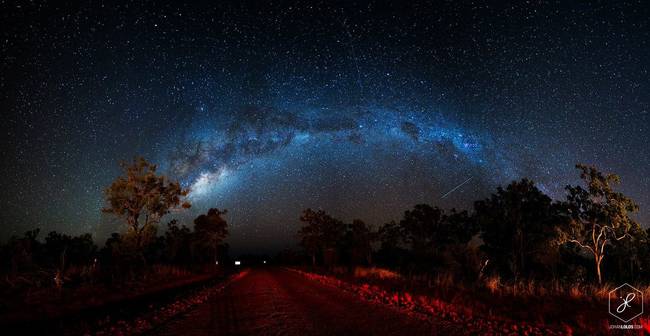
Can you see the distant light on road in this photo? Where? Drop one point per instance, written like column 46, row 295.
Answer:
column 216, row 263
column 237, row 263
column 264, row 262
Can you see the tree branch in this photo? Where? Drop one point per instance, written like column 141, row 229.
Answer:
column 582, row 245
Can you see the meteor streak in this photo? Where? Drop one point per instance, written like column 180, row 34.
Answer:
column 456, row 187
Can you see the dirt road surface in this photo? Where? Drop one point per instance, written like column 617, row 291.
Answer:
column 281, row 302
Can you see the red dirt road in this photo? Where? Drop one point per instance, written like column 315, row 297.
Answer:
column 280, row 302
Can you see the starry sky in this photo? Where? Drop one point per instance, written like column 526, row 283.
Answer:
column 362, row 109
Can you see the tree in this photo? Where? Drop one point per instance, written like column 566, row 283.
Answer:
column 458, row 228
column 598, row 214
column 178, row 240
column 518, row 226
column 420, row 227
column 143, row 197
column 321, row 232
column 360, row 238
column 63, row 250
column 390, row 235
column 112, row 259
column 210, row 229
column 428, row 231
column 627, row 257
column 24, row 252
column 392, row 249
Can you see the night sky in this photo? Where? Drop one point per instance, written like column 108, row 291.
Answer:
column 267, row 108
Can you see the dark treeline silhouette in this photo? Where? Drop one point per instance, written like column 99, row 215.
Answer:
column 517, row 233
column 141, row 198
column 59, row 259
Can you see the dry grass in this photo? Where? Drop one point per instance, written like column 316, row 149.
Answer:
column 575, row 292
column 493, row 284
column 375, row 272
column 530, row 288
column 496, row 286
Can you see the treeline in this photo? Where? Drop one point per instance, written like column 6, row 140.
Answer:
column 59, row 259
column 140, row 197
column 516, row 233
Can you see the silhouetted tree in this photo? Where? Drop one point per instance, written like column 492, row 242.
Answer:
column 178, row 243
column 458, row 256
column 23, row 252
column 629, row 257
column 210, row 230
column 420, row 227
column 598, row 214
column 310, row 241
column 458, row 228
column 518, row 226
column 390, row 235
column 143, row 197
column 359, row 240
column 62, row 250
column 321, row 233
column 155, row 250
column 111, row 258
column 392, row 251
column 428, row 230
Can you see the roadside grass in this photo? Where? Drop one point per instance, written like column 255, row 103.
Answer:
column 563, row 308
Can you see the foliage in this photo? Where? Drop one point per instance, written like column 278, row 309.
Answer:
column 210, row 230
column 426, row 236
column 598, row 215
column 358, row 241
column 518, row 227
column 522, row 234
column 629, row 259
column 178, row 243
column 63, row 250
column 426, row 228
column 321, row 232
column 142, row 197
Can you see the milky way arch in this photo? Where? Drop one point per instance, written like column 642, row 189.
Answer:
column 213, row 150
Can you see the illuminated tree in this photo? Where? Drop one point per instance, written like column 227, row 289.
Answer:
column 142, row 198
column 598, row 215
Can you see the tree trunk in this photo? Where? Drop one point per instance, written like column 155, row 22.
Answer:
column 522, row 262
column 216, row 253
column 599, row 259
column 139, row 248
